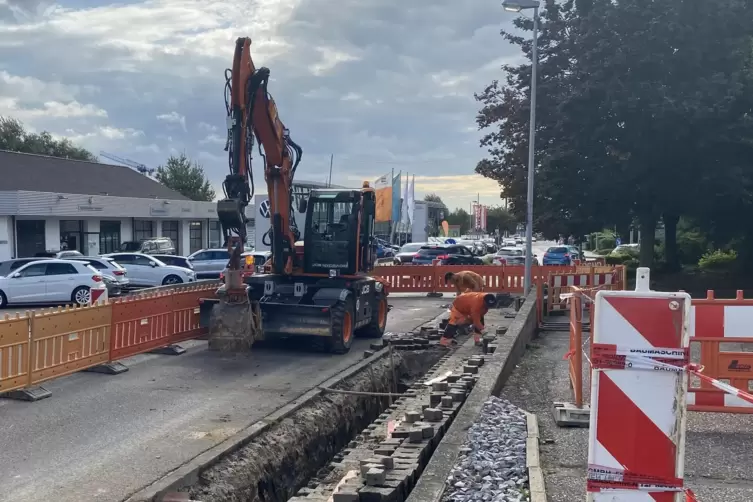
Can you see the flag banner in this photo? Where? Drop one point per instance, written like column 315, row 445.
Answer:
column 396, row 198
column 383, row 189
column 411, row 199
column 404, row 216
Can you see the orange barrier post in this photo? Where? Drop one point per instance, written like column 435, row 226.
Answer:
column 14, row 353
column 576, row 347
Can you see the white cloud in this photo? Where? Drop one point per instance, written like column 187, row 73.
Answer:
column 380, row 84
column 173, row 118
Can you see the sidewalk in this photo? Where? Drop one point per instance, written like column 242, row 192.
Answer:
column 719, row 447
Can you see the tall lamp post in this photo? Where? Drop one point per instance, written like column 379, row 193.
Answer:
column 517, row 6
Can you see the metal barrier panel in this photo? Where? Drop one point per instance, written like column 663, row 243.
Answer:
column 141, row 323
column 187, row 313
column 407, row 278
column 65, row 341
column 493, row 276
column 14, row 353
column 713, row 322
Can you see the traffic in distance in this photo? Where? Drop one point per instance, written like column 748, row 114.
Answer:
column 486, row 250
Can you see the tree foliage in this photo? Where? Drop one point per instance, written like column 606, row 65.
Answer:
column 185, row 177
column 645, row 111
column 432, row 197
column 14, row 137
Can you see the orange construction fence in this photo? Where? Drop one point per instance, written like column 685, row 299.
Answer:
column 713, row 322
column 560, row 285
column 430, row 278
column 50, row 343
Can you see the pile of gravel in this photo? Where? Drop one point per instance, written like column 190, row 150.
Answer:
column 491, row 466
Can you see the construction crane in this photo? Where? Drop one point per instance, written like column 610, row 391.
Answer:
column 130, row 163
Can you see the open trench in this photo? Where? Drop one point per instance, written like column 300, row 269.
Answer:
column 275, row 465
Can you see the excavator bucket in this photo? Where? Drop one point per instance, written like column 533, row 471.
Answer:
column 282, row 319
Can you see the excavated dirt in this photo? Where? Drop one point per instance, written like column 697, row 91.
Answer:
column 279, row 462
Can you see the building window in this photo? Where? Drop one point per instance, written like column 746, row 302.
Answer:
column 170, row 228
column 142, row 230
column 71, row 235
column 109, row 237
column 215, row 234
column 195, row 236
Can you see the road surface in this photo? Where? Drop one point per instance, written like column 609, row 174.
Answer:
column 101, row 438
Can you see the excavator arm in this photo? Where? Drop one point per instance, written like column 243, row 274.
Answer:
column 252, row 114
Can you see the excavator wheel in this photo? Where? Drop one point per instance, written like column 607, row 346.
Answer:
column 343, row 319
column 375, row 328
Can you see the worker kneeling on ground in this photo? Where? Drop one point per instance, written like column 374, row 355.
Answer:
column 468, row 309
column 465, row 280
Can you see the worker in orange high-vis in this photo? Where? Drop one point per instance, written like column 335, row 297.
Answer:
column 468, row 308
column 465, row 280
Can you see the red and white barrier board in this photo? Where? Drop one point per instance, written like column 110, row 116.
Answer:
column 638, row 392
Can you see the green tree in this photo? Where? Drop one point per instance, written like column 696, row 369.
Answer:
column 498, row 218
column 185, row 177
column 14, row 137
column 432, row 197
column 643, row 113
column 461, row 218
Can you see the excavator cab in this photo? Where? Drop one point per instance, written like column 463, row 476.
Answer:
column 338, row 239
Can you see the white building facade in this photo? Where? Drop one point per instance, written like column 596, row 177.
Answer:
column 49, row 204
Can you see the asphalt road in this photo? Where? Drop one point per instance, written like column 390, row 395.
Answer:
column 718, row 456
column 101, row 438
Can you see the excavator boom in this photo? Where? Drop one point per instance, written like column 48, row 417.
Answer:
column 252, row 115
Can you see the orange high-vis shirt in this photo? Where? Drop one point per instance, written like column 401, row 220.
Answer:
column 469, row 306
column 467, row 280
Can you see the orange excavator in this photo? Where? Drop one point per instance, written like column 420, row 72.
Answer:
column 320, row 286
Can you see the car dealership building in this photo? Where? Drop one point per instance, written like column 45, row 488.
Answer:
column 49, row 204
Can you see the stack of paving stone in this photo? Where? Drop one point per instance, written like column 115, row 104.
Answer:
column 388, row 468
column 419, row 340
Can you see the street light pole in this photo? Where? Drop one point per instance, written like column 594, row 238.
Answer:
column 531, row 158
column 517, row 6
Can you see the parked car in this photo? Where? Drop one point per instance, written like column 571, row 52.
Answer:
column 9, row 266
column 109, row 269
column 50, row 281
column 209, row 263
column 258, row 259
column 508, row 242
column 145, row 270
column 68, row 253
column 154, row 245
column 510, row 256
column 113, row 288
column 574, row 252
column 383, row 251
column 558, row 255
column 171, row 259
column 407, row 252
column 452, row 254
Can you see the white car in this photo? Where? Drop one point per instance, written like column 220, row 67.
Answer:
column 50, row 281
column 145, row 270
column 107, row 266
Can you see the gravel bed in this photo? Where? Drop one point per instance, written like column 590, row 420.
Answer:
column 491, row 466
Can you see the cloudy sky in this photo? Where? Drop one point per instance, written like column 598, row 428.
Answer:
column 381, row 84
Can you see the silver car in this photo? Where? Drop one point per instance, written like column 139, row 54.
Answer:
column 108, row 268
column 209, row 263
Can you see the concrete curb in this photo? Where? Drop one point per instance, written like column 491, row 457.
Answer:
column 492, row 377
column 535, row 474
column 188, row 473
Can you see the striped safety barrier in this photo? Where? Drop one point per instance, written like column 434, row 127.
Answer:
column 637, row 336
